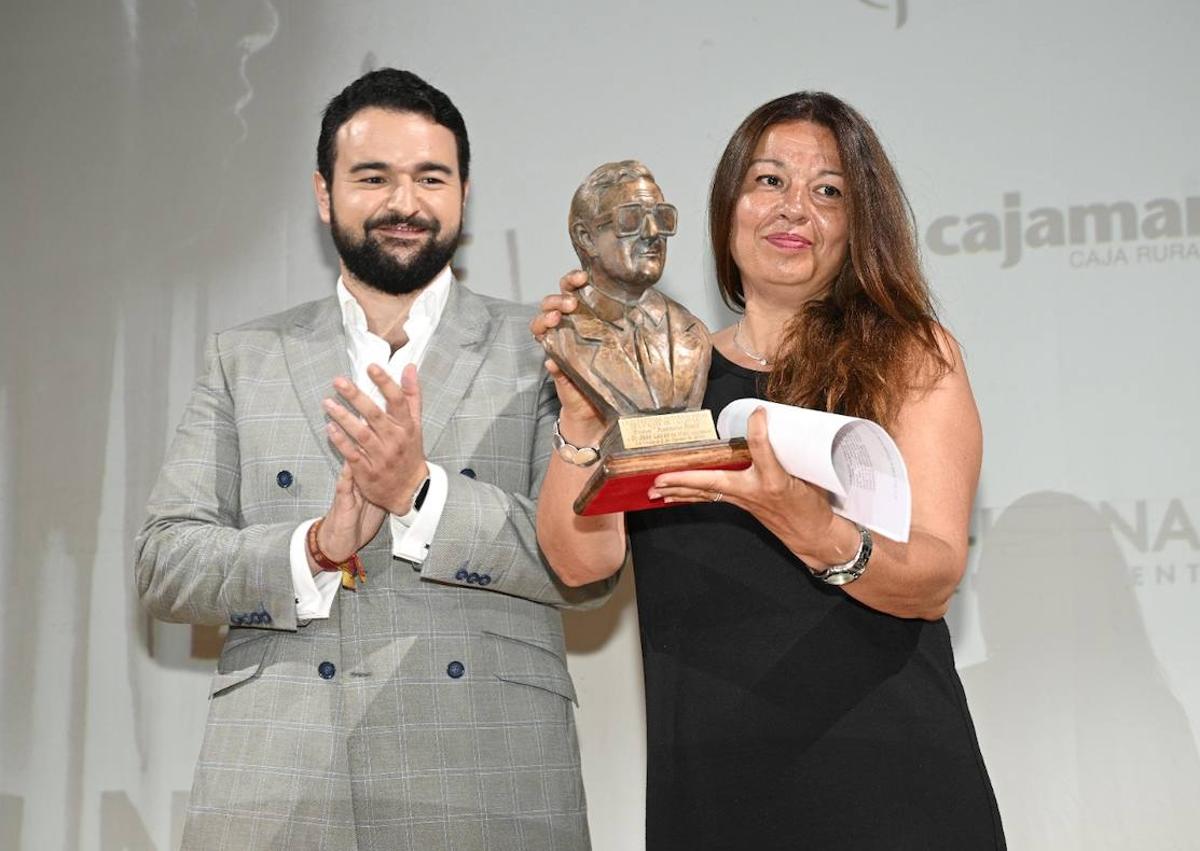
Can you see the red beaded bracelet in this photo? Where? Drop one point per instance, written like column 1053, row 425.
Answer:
column 351, row 569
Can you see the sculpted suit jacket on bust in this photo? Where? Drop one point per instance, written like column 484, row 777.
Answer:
column 628, row 373
column 433, row 708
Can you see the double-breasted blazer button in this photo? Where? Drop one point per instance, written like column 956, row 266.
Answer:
column 284, row 478
column 455, row 670
column 326, row 670
column 468, row 472
column 462, row 575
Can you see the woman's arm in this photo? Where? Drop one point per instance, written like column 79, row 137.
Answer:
column 579, row 549
column 938, row 434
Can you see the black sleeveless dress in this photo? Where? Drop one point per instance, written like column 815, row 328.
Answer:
column 780, row 712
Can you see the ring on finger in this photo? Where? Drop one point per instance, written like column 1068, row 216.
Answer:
column 717, row 496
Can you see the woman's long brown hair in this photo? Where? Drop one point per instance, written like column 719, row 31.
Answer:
column 872, row 337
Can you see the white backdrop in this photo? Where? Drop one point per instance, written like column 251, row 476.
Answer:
column 156, row 160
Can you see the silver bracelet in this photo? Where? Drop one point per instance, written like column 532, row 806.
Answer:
column 580, row 456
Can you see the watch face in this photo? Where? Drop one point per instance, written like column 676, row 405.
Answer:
column 842, row 577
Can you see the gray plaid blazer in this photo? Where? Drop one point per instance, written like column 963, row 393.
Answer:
column 431, row 710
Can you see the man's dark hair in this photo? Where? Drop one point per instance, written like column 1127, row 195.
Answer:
column 396, row 90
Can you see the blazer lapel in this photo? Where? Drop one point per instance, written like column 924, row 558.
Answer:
column 690, row 340
column 315, row 349
column 609, row 359
column 454, row 355
column 612, row 364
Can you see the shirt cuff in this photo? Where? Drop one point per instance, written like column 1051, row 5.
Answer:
column 314, row 594
column 412, row 534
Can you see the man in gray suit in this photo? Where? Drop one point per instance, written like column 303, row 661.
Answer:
column 353, row 490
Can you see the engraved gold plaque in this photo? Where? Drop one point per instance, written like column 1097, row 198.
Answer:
column 666, row 429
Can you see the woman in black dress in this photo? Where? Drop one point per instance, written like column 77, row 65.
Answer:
column 800, row 684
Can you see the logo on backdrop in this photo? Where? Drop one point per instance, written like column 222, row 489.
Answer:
column 1159, row 539
column 1113, row 233
column 901, row 7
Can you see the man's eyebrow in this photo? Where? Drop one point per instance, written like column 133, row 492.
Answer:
column 418, row 168
column 368, row 166
column 433, row 165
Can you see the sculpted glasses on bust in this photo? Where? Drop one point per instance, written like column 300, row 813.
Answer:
column 627, row 347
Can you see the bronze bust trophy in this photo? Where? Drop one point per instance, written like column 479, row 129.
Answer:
column 639, row 357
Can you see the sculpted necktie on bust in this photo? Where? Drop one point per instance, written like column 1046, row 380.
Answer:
column 652, row 348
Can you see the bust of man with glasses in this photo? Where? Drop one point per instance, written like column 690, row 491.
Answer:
column 627, row 347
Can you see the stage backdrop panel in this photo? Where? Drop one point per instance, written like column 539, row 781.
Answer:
column 156, row 169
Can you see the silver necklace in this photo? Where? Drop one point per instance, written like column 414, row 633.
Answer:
column 757, row 358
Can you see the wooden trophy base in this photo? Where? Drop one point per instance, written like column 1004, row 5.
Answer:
column 624, row 476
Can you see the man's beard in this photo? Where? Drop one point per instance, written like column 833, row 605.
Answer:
column 369, row 262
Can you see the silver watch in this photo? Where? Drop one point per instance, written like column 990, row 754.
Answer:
column 580, row 456
column 843, row 574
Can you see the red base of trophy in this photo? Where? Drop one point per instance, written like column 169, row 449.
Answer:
column 623, row 477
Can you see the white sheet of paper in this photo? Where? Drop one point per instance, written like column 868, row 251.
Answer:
column 854, row 459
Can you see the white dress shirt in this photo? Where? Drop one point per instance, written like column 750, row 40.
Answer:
column 413, row 533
